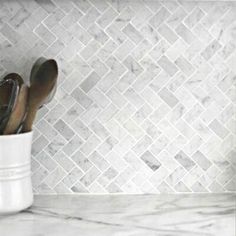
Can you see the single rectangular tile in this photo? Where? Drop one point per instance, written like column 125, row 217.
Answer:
column 167, row 33
column 82, row 161
column 98, row 161
column 99, row 129
column 185, row 161
column 98, row 34
column 184, row 66
column 167, row 66
column 201, row 160
column 218, row 129
column 211, row 49
column 150, row 161
column 185, row 33
column 133, row 34
column 81, row 129
column 64, row 129
column 168, row 97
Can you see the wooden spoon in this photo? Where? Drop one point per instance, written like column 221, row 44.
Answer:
column 39, row 90
column 18, row 113
column 9, row 90
column 34, row 74
column 3, row 111
column 14, row 76
column 5, row 91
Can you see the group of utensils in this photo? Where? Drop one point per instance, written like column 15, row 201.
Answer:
column 19, row 102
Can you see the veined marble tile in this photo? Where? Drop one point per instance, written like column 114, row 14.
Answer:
column 146, row 92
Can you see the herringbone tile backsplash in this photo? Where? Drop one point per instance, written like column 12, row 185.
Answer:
column 146, row 95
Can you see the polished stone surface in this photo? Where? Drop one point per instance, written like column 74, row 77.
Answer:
column 146, row 93
column 125, row 215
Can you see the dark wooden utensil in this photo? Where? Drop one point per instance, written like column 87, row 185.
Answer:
column 9, row 90
column 14, row 76
column 18, row 112
column 33, row 75
column 3, row 110
column 16, row 116
column 42, row 85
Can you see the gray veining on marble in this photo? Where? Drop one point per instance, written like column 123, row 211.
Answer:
column 125, row 215
column 146, row 94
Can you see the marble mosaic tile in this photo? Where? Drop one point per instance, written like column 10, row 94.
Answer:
column 146, row 93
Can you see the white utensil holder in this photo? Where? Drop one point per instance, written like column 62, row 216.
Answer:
column 15, row 172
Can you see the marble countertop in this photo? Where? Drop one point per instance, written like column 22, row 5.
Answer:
column 125, row 215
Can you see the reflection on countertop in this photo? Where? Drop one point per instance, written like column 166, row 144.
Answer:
column 125, row 215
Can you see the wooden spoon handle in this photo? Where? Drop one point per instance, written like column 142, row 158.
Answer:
column 30, row 117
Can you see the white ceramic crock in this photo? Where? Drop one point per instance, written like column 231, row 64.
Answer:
column 15, row 172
